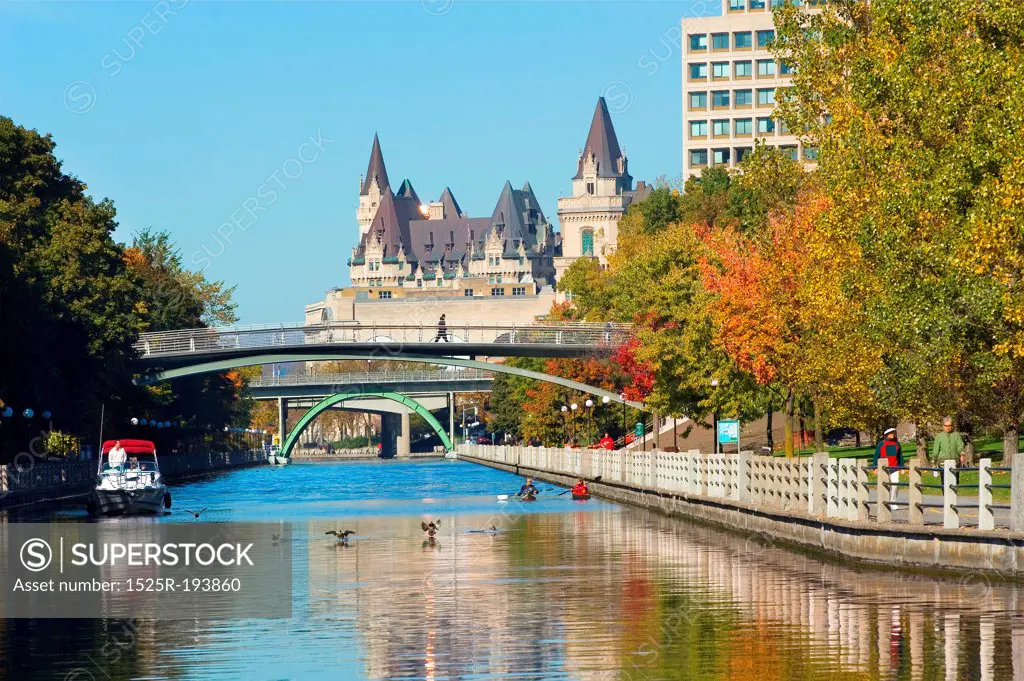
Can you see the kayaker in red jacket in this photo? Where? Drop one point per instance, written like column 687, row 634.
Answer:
column 580, row 488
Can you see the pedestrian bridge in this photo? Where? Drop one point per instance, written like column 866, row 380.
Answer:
column 550, row 339
column 424, row 382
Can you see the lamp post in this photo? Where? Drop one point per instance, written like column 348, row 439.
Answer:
column 565, row 422
column 572, row 420
column 589, row 404
column 714, row 384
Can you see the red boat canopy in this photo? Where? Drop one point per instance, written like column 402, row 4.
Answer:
column 131, row 446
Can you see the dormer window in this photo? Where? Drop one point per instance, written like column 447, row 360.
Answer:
column 590, row 187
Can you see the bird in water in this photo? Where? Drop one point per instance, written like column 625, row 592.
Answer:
column 431, row 528
column 342, row 536
column 195, row 514
column 275, row 538
column 490, row 530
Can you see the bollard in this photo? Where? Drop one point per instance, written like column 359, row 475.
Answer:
column 915, row 495
column 950, row 515
column 883, row 513
column 848, row 489
column 986, row 519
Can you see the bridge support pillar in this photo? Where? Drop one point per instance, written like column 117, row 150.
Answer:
column 282, row 420
column 390, row 428
column 451, row 417
column 402, row 445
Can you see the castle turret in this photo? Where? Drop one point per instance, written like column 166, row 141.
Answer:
column 372, row 188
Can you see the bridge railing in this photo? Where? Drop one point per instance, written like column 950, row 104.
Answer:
column 983, row 496
column 292, row 335
column 371, row 377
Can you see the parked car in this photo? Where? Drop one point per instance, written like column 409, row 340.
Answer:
column 483, row 439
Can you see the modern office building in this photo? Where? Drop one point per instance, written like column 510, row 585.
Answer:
column 730, row 84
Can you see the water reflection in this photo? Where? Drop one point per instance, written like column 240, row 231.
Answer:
column 587, row 592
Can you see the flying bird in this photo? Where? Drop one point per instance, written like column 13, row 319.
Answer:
column 431, row 528
column 342, row 536
column 195, row 514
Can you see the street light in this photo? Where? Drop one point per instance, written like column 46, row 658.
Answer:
column 714, row 384
column 565, row 422
column 589, row 404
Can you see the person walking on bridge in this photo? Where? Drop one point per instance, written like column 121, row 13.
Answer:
column 442, row 330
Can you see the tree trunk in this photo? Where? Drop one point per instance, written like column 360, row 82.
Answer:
column 1011, row 434
column 819, row 435
column 788, row 428
column 771, row 437
column 922, row 446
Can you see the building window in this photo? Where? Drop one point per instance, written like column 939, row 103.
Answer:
column 698, row 128
column 720, row 157
column 698, row 42
column 765, row 126
column 742, row 153
column 519, row 290
column 419, row 283
column 384, row 295
column 744, row 126
column 757, row 4
column 766, row 97
column 698, row 100
column 765, row 68
column 765, row 38
column 792, row 153
column 440, row 281
column 744, row 98
column 744, row 69
column 401, row 266
column 743, row 40
column 783, row 128
column 490, row 279
column 720, row 41
column 497, row 291
column 468, row 293
column 590, row 187
column 587, row 245
column 785, row 69
column 720, row 69
column 698, row 71
column 737, row 5
column 720, row 99
column 810, row 153
column 721, row 128
column 698, row 157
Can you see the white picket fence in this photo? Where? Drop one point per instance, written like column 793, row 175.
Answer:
column 848, row 489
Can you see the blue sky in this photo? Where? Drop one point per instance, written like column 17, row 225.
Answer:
column 242, row 127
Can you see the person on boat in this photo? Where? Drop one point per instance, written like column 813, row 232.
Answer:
column 580, row 489
column 528, row 489
column 117, row 456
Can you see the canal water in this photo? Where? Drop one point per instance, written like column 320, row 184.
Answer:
column 563, row 590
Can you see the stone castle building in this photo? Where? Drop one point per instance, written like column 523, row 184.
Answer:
column 602, row 190
column 498, row 268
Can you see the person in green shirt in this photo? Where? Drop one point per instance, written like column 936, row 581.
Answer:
column 948, row 445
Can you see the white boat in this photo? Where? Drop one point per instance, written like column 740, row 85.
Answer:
column 131, row 484
column 274, row 458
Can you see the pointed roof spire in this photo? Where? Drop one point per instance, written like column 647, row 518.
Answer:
column 376, row 168
column 451, row 206
column 602, row 143
column 408, row 192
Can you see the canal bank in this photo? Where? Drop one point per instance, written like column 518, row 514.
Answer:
column 39, row 481
column 815, row 503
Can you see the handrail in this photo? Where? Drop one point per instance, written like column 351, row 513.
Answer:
column 370, row 377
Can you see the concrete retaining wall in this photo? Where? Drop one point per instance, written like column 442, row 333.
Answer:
column 995, row 552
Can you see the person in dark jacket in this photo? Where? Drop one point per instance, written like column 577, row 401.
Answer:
column 888, row 452
column 442, row 330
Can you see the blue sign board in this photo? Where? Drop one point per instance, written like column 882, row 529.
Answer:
column 728, row 432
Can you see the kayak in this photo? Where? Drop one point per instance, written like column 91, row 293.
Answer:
column 529, row 497
column 580, row 497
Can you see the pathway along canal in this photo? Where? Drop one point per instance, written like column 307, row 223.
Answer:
column 566, row 590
